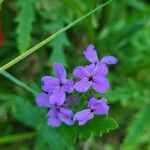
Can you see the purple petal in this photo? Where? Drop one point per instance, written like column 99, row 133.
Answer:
column 109, row 60
column 83, row 85
column 42, row 100
column 81, row 72
column 68, row 86
column 60, row 71
column 100, row 70
column 91, row 54
column 100, row 84
column 90, row 67
column 49, row 83
column 66, row 115
column 53, row 120
column 83, row 116
column 57, row 97
column 99, row 107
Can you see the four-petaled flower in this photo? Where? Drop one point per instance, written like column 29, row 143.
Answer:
column 57, row 86
column 57, row 113
column 95, row 107
column 91, row 55
column 91, row 77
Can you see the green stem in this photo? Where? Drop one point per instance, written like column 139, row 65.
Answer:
column 18, row 82
column 16, row 137
column 36, row 47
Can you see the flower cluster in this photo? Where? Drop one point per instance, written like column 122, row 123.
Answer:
column 56, row 89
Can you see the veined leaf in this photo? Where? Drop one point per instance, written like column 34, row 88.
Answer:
column 25, row 21
column 47, row 40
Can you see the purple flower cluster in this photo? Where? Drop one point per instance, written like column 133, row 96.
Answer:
column 55, row 89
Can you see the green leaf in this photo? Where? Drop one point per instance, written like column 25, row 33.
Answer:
column 97, row 126
column 138, row 127
column 47, row 40
column 25, row 21
column 25, row 112
column 58, row 45
column 47, row 137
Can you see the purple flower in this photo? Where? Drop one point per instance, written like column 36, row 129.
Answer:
column 57, row 86
column 92, row 77
column 57, row 113
column 91, row 55
column 95, row 107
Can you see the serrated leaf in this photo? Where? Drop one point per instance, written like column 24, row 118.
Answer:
column 97, row 126
column 25, row 21
column 34, row 117
column 58, row 45
column 25, row 112
column 47, row 40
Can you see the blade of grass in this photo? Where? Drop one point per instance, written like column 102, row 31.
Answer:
column 18, row 82
column 16, row 137
column 42, row 43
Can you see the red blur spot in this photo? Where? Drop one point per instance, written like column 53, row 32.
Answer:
column 1, row 38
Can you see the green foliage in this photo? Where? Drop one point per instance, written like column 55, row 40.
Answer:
column 139, row 127
column 121, row 29
column 34, row 117
column 25, row 20
column 97, row 126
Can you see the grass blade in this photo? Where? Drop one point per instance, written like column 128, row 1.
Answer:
column 18, row 82
column 16, row 137
column 42, row 43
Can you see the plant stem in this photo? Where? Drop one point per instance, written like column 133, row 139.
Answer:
column 18, row 82
column 16, row 137
column 42, row 43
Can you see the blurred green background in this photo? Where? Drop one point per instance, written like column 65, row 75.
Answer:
column 122, row 29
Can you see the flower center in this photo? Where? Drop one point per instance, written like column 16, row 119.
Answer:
column 60, row 84
column 90, row 78
column 91, row 110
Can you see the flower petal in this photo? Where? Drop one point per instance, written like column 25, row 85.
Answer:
column 109, row 60
column 53, row 120
column 66, row 115
column 42, row 100
column 81, row 72
column 91, row 54
column 68, row 86
column 90, row 67
column 57, row 97
column 82, row 85
column 100, row 70
column 99, row 107
column 49, row 83
column 60, row 71
column 83, row 116
column 100, row 84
